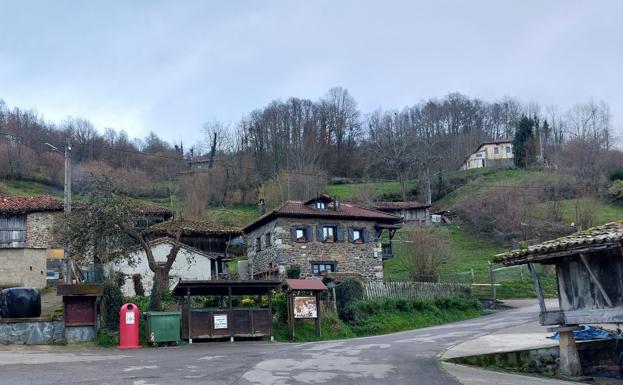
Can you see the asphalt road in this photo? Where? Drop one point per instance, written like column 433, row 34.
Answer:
column 400, row 358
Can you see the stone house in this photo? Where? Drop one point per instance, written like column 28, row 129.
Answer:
column 321, row 236
column 413, row 213
column 497, row 153
column 30, row 233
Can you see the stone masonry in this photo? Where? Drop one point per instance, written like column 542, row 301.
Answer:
column 44, row 230
column 362, row 258
column 27, row 266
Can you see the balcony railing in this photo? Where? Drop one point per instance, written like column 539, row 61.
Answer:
column 387, row 251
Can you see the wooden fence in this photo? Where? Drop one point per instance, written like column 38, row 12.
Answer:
column 413, row 290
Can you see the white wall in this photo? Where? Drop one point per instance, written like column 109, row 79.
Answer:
column 187, row 265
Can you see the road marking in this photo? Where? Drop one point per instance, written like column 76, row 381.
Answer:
column 135, row 368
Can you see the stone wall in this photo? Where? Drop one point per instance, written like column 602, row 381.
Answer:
column 23, row 267
column 365, row 259
column 31, row 332
column 44, row 230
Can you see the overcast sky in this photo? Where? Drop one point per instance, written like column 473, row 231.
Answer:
column 170, row 66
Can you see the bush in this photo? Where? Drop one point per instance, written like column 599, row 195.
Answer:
column 280, row 307
column 138, row 284
column 346, row 293
column 616, row 174
column 112, row 300
column 293, row 271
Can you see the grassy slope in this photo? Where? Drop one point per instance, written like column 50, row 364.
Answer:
column 27, row 188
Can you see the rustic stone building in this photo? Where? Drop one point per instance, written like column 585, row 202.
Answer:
column 30, row 232
column 321, row 235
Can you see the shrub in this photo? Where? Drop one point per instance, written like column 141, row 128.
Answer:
column 346, row 292
column 280, row 306
column 616, row 174
column 293, row 271
column 112, row 300
column 138, row 285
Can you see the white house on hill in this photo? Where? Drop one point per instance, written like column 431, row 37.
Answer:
column 498, row 153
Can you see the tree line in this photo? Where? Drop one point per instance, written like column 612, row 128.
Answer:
column 313, row 139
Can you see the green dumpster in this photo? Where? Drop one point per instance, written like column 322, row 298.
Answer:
column 163, row 326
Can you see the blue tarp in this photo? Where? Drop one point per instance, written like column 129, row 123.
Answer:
column 589, row 333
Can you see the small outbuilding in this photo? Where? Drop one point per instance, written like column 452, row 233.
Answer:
column 412, row 212
column 226, row 320
column 589, row 272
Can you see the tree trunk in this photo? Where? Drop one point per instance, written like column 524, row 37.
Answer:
column 160, row 286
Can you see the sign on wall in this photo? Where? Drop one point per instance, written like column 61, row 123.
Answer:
column 305, row 307
column 220, row 321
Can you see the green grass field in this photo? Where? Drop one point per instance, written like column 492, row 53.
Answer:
column 28, row 188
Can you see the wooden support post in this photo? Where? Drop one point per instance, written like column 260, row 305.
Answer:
column 230, row 316
column 190, row 311
column 317, row 314
column 270, row 314
column 569, row 358
column 290, row 315
column 537, row 287
column 471, row 273
column 492, row 282
column 596, row 280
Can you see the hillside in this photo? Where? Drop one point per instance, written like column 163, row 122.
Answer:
column 472, row 248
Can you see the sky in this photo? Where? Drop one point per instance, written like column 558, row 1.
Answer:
column 171, row 66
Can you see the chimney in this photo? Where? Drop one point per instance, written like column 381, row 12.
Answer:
column 336, row 204
column 262, row 206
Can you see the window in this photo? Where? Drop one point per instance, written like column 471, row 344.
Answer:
column 479, row 155
column 268, row 240
column 13, row 231
column 329, row 233
column 300, row 234
column 321, row 205
column 496, row 150
column 258, row 244
column 357, row 235
column 508, row 149
column 323, row 267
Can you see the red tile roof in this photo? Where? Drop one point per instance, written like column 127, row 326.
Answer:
column 20, row 205
column 189, row 227
column 149, row 209
column 297, row 209
column 406, row 205
column 305, row 284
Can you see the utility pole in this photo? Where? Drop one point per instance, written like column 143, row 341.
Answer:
column 67, row 211
column 66, row 208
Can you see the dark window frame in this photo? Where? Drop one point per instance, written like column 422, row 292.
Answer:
column 268, row 239
column 258, row 244
column 333, row 231
column 316, row 271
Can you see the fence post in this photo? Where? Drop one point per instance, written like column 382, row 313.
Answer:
column 471, row 273
column 521, row 272
column 492, row 281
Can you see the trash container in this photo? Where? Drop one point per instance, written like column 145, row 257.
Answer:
column 163, row 326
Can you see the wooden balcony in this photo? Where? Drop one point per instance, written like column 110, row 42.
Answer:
column 387, row 251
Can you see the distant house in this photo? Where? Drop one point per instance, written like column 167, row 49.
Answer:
column 412, row 212
column 199, row 163
column 321, row 236
column 497, row 153
column 203, row 254
column 30, row 233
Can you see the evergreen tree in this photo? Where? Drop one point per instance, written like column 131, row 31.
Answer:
column 524, row 146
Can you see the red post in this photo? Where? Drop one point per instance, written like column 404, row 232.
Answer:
column 128, row 326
